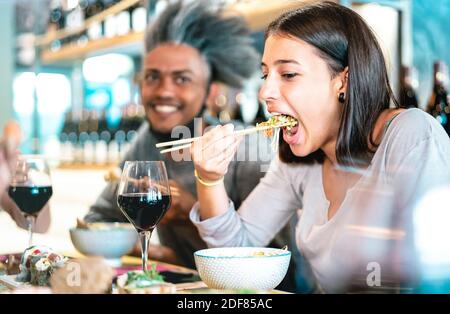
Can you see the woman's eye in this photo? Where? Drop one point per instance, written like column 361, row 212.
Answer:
column 289, row 75
column 264, row 76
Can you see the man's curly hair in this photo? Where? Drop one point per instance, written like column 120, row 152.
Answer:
column 224, row 42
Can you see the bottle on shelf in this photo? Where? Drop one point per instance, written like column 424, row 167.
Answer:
column 438, row 105
column 123, row 23
column 91, row 142
column 67, row 133
column 75, row 17
column 110, row 26
column 138, row 17
column 408, row 86
column 56, row 19
column 92, row 8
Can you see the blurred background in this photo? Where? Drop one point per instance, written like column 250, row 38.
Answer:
column 70, row 67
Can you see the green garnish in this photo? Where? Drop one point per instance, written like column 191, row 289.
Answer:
column 144, row 279
column 278, row 120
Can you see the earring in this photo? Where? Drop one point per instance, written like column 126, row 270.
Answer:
column 341, row 98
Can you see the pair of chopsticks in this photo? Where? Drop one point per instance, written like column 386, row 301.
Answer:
column 186, row 143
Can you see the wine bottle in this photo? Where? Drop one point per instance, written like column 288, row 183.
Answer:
column 438, row 105
column 75, row 17
column 139, row 17
column 408, row 84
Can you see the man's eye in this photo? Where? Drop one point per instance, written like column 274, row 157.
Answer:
column 150, row 77
column 182, row 79
column 264, row 77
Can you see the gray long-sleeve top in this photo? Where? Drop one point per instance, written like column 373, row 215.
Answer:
column 376, row 224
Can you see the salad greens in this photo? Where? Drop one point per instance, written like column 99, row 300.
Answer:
column 144, row 279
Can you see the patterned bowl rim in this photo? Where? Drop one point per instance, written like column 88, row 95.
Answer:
column 201, row 253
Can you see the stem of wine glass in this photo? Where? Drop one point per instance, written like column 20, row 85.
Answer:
column 30, row 219
column 144, row 236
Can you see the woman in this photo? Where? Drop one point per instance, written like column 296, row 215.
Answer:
column 355, row 167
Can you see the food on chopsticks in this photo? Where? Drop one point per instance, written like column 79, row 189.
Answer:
column 148, row 282
column 277, row 122
column 38, row 264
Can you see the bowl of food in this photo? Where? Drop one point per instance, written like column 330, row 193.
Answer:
column 256, row 268
column 108, row 240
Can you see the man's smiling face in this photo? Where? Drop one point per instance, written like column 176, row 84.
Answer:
column 174, row 87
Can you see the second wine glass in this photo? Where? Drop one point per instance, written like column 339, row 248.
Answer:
column 31, row 188
column 144, row 197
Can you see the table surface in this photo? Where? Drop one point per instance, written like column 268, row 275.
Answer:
column 134, row 263
column 129, row 263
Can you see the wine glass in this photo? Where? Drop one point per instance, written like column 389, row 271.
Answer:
column 31, row 188
column 144, row 197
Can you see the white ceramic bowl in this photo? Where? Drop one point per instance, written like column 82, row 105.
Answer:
column 242, row 267
column 109, row 240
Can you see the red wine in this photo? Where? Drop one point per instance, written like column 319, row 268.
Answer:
column 30, row 199
column 142, row 210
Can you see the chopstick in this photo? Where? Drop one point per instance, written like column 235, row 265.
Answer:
column 187, row 141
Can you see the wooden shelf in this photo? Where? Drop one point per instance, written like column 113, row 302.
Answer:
column 131, row 43
column 257, row 13
column 115, row 9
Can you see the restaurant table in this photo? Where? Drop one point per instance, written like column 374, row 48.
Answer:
column 190, row 281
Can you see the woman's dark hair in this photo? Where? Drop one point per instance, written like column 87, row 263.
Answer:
column 342, row 39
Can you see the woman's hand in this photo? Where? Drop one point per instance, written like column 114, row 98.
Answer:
column 213, row 153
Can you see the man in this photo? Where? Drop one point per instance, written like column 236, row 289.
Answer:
column 189, row 48
column 8, row 155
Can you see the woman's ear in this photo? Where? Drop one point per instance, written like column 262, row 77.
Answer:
column 342, row 81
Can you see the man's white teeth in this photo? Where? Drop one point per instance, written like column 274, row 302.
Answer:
column 275, row 113
column 165, row 108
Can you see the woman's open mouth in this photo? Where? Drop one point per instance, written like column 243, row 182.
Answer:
column 289, row 125
column 291, row 134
